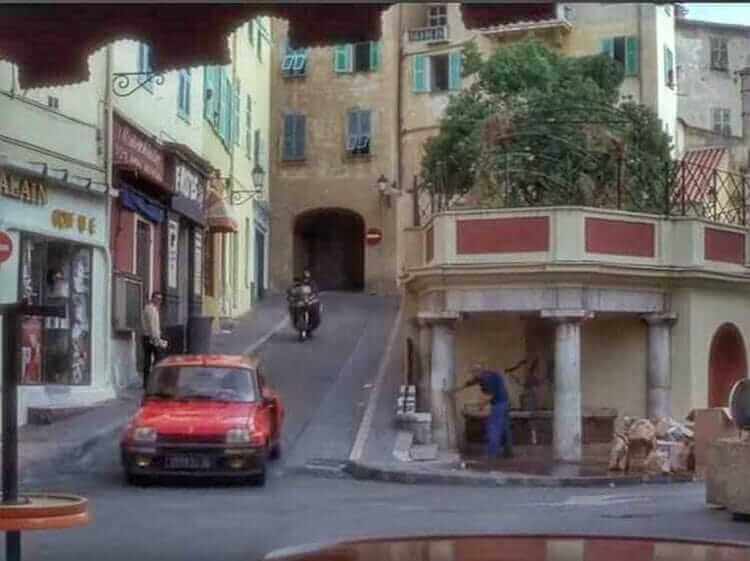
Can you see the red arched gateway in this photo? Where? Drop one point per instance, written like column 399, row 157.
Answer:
column 727, row 363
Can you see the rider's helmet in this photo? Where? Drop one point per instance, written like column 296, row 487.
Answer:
column 307, row 277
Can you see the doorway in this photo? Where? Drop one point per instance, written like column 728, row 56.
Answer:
column 727, row 363
column 330, row 244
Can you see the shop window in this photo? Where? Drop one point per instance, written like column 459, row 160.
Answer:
column 56, row 350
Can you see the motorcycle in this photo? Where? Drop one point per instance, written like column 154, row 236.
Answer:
column 301, row 307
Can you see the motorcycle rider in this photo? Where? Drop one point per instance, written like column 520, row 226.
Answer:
column 296, row 292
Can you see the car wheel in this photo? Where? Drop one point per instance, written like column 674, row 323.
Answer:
column 275, row 453
column 133, row 479
column 260, row 479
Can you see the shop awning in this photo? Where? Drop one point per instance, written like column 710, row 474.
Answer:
column 140, row 204
column 220, row 216
column 51, row 43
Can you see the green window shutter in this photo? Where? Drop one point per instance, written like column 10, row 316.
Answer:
column 375, row 55
column 455, row 70
column 342, row 58
column 236, row 114
column 608, row 47
column 288, row 147
column 419, row 74
column 632, row 56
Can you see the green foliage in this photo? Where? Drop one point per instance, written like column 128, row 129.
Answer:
column 538, row 128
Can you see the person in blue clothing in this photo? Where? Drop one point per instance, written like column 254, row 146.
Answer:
column 493, row 387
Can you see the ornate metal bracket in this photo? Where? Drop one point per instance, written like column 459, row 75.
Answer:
column 240, row 197
column 121, row 86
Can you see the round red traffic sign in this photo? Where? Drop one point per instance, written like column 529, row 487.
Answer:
column 6, row 247
column 374, row 236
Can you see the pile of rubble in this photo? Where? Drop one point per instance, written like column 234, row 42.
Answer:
column 658, row 446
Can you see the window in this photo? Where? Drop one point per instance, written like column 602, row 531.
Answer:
column 145, row 64
column 294, row 137
column 669, row 76
column 250, row 32
column 721, row 122
column 719, row 54
column 437, row 73
column 437, row 16
column 56, row 350
column 249, row 128
column 358, row 57
column 256, row 146
column 359, row 132
column 259, row 46
column 183, row 94
column 221, row 104
column 294, row 62
column 53, row 102
column 625, row 51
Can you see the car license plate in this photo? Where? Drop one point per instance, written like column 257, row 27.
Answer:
column 185, row 461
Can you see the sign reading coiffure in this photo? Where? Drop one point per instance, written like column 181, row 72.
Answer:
column 137, row 151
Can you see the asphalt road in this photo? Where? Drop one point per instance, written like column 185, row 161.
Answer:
column 325, row 383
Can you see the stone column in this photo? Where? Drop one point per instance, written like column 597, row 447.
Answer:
column 443, row 378
column 659, row 369
column 567, row 417
column 425, row 360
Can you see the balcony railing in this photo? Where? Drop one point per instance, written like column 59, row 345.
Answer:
column 433, row 34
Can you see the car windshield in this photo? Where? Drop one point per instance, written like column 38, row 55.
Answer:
column 203, row 382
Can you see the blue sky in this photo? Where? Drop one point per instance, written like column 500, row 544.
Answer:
column 720, row 13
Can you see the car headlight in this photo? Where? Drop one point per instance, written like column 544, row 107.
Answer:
column 238, row 436
column 144, row 434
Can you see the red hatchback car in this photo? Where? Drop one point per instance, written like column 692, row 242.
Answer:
column 204, row 415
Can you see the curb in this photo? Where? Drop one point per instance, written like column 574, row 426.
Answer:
column 373, row 472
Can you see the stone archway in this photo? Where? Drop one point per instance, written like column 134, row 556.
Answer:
column 727, row 363
column 330, row 242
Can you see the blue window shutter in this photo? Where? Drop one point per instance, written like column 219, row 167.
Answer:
column 608, row 47
column 288, row 149
column 299, row 132
column 342, row 59
column 632, row 56
column 375, row 55
column 236, row 114
column 353, row 130
column 455, row 78
column 419, row 74
column 365, row 123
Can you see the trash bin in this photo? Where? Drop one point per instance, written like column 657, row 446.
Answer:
column 200, row 331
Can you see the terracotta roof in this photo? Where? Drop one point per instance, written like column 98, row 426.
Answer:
column 696, row 172
column 51, row 43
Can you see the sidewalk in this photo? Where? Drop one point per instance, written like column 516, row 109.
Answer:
column 373, row 454
column 43, row 449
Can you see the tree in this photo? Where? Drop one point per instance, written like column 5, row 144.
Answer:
column 535, row 127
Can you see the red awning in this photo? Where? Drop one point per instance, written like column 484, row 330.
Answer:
column 696, row 172
column 220, row 217
column 51, row 43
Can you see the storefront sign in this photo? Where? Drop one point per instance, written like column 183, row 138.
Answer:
column 172, row 238
column 66, row 220
column 134, row 149
column 24, row 189
column 198, row 263
column 188, row 184
column 6, row 247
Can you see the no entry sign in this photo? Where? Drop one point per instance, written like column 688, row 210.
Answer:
column 374, row 236
column 6, row 247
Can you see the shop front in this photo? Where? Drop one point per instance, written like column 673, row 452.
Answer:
column 139, row 220
column 59, row 257
column 184, row 234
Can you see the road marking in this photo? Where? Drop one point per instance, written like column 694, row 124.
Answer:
column 263, row 340
column 366, row 424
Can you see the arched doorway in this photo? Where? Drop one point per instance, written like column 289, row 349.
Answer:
column 331, row 244
column 727, row 363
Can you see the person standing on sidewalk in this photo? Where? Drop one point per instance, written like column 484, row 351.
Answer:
column 152, row 341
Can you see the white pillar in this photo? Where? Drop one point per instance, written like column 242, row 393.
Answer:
column 567, row 417
column 425, row 359
column 659, row 369
column 443, row 379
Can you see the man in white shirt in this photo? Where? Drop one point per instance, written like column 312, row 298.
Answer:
column 152, row 341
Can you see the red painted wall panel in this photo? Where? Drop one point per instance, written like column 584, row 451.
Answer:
column 619, row 237
column 123, row 224
column 721, row 245
column 502, row 235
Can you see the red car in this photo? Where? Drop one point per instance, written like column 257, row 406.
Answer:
column 204, row 415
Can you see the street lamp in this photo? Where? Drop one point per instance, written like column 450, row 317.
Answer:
column 241, row 196
column 387, row 189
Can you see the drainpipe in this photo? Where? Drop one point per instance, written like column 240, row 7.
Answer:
column 640, row 54
column 397, row 132
column 109, row 181
column 237, row 237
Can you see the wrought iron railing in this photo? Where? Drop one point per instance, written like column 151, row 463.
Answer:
column 683, row 188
